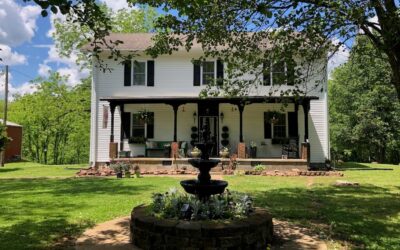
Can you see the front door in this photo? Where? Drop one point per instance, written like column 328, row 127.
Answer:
column 208, row 121
column 209, row 124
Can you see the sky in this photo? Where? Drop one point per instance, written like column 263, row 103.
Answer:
column 28, row 48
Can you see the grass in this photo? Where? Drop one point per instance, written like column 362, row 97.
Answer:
column 40, row 204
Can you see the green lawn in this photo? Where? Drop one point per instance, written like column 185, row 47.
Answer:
column 40, row 205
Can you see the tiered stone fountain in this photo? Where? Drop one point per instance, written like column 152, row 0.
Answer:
column 253, row 232
column 204, row 187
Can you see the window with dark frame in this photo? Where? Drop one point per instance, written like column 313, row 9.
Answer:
column 139, row 73
column 143, row 127
column 279, row 127
column 208, row 72
column 274, row 125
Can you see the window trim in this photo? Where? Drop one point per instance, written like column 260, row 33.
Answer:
column 273, row 125
column 271, row 74
column 215, row 72
column 144, row 124
column 133, row 72
column 286, row 128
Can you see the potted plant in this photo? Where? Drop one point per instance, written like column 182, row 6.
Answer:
column 195, row 152
column 194, row 135
column 118, row 168
column 253, row 149
column 127, row 167
column 225, row 136
column 136, row 171
column 224, row 152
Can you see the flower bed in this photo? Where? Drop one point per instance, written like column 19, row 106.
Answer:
column 177, row 205
column 150, row 232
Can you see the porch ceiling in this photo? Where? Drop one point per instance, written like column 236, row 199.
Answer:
column 233, row 100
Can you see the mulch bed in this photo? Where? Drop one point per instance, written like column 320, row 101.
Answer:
column 105, row 171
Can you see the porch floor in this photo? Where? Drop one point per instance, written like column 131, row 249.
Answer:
column 271, row 163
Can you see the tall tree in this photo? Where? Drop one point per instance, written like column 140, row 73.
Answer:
column 55, row 120
column 227, row 23
column 364, row 112
column 71, row 36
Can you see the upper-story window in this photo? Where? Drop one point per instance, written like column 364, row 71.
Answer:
column 279, row 72
column 208, row 72
column 139, row 73
column 208, row 75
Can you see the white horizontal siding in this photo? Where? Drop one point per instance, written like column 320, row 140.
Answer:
column 318, row 131
column 174, row 77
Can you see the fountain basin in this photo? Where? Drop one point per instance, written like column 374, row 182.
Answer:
column 204, row 190
column 203, row 164
column 149, row 232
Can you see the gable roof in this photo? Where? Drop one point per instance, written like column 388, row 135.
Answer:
column 142, row 41
column 131, row 42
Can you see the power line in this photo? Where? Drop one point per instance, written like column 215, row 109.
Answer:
column 23, row 74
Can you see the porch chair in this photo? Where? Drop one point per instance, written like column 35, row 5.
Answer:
column 291, row 149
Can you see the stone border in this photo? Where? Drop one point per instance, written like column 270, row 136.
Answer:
column 149, row 232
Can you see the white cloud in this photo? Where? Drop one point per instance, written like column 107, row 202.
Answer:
column 44, row 70
column 17, row 24
column 116, row 5
column 67, row 66
column 341, row 56
column 25, row 88
column 9, row 57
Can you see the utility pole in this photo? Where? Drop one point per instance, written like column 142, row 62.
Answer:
column 3, row 153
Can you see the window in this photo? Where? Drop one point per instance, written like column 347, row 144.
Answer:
column 279, row 126
column 278, row 73
column 208, row 72
column 143, row 125
column 274, row 125
column 105, row 116
column 139, row 73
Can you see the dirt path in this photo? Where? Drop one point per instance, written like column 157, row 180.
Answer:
column 114, row 235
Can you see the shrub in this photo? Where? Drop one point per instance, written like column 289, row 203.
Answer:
column 260, row 168
column 119, row 167
column 177, row 205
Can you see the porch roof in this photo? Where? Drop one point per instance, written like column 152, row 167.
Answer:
column 218, row 99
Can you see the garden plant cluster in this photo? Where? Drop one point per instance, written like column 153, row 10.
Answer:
column 178, row 205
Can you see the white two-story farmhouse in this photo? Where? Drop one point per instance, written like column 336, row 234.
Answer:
column 149, row 108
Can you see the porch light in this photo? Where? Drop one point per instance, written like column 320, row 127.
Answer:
column 194, row 117
column 222, row 116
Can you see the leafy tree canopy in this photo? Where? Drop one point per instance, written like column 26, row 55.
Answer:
column 227, row 23
column 364, row 112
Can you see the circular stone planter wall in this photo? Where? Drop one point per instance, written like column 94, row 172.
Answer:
column 149, row 232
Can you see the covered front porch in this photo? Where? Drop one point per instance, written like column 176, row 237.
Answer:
column 173, row 125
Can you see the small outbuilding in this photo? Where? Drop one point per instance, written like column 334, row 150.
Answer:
column 14, row 147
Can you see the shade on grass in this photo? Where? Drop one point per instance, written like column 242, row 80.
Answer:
column 39, row 211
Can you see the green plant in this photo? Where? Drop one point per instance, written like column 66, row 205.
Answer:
column 120, row 167
column 259, row 168
column 224, row 149
column 177, row 205
column 3, row 137
column 239, row 172
column 253, row 144
column 136, row 171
